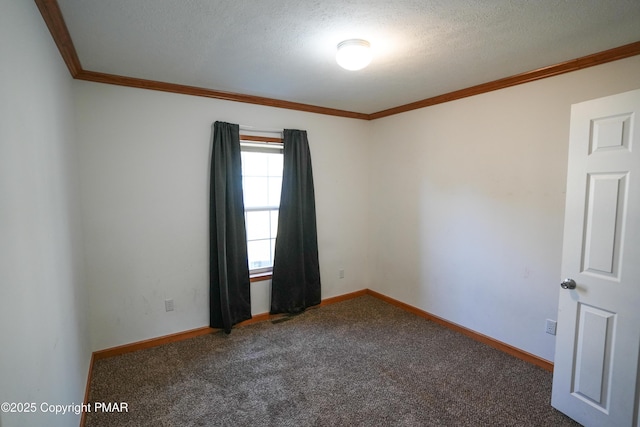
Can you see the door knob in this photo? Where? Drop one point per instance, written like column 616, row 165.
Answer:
column 568, row 284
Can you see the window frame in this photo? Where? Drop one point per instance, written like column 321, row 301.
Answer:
column 264, row 144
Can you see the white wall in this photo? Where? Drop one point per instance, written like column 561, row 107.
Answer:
column 463, row 202
column 468, row 201
column 44, row 344
column 456, row 209
column 144, row 159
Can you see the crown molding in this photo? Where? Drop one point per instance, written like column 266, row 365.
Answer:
column 603, row 57
column 52, row 16
column 113, row 79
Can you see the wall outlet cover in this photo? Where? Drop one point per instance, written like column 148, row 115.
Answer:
column 551, row 327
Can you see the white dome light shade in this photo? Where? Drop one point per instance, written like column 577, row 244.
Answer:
column 354, row 54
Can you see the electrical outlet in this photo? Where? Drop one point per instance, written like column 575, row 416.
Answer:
column 341, row 273
column 168, row 305
column 551, row 327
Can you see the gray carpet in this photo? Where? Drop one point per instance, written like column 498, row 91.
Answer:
column 358, row 362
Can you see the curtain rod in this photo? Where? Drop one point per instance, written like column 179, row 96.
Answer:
column 254, row 129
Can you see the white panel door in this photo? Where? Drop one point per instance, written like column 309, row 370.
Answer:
column 596, row 368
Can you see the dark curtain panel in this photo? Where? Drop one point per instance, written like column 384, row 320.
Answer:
column 229, row 291
column 295, row 284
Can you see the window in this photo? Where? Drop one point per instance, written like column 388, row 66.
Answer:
column 261, row 184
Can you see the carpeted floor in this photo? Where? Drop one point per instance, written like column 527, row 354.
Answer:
column 358, row 362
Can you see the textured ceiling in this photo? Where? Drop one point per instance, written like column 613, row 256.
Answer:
column 285, row 49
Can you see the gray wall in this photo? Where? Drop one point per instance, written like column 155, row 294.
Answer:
column 44, row 338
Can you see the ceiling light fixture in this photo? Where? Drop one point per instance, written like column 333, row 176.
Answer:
column 353, row 54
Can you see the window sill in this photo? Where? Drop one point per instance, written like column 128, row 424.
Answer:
column 259, row 277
